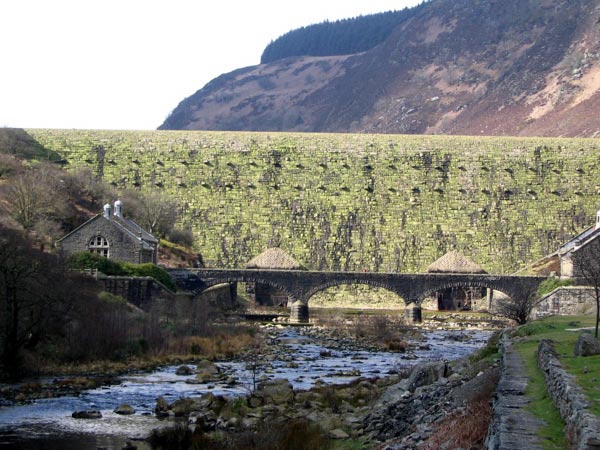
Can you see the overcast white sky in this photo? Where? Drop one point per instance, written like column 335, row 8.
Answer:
column 125, row 64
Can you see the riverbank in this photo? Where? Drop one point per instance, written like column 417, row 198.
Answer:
column 311, row 369
column 366, row 329
column 406, row 406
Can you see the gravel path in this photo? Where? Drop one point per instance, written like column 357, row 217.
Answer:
column 513, row 426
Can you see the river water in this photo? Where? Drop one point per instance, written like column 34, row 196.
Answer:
column 47, row 424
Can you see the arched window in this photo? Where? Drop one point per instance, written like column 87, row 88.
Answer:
column 99, row 245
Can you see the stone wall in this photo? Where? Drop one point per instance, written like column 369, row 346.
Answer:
column 223, row 296
column 146, row 292
column 354, row 201
column 566, row 301
column 582, row 427
column 140, row 291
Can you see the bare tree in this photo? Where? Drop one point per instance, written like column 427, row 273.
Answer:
column 85, row 184
column 586, row 265
column 517, row 308
column 153, row 211
column 36, row 296
column 36, row 195
column 255, row 362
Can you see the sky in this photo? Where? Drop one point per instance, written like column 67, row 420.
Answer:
column 126, row 64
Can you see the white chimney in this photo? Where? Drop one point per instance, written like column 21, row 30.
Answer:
column 107, row 209
column 597, row 220
column 119, row 208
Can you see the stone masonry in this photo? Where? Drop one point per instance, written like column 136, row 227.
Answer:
column 300, row 286
column 565, row 301
column 582, row 427
column 123, row 243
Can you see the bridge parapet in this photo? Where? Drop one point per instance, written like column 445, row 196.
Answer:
column 301, row 285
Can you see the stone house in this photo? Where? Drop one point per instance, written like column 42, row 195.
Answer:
column 113, row 236
column 270, row 259
column 566, row 262
column 573, row 254
column 455, row 298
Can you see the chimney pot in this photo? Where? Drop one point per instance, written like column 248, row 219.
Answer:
column 107, row 209
column 119, row 208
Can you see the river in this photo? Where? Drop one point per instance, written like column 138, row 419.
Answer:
column 302, row 359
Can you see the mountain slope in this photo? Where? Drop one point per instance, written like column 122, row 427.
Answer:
column 493, row 67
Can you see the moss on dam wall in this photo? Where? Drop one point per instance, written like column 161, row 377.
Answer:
column 355, row 202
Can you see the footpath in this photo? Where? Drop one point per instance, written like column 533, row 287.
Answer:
column 513, row 426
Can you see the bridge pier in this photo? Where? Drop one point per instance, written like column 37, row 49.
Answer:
column 299, row 312
column 413, row 313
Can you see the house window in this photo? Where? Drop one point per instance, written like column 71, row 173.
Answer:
column 99, row 245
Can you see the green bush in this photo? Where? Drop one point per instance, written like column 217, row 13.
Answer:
column 149, row 270
column 550, row 284
column 88, row 260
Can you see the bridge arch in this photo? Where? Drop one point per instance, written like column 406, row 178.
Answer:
column 207, row 283
column 352, row 282
column 506, row 289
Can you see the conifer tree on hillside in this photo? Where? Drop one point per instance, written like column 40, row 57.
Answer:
column 342, row 37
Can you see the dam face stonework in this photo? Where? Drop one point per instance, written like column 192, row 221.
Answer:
column 348, row 202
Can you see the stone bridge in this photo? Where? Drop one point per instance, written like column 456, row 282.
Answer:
column 301, row 285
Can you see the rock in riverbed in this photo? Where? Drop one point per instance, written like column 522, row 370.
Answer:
column 124, row 410
column 92, row 414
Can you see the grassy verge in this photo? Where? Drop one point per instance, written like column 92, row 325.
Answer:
column 527, row 339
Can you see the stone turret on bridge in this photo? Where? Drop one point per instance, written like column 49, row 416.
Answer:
column 300, row 286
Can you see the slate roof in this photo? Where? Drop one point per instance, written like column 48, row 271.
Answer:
column 128, row 226
column 454, row 262
column 580, row 240
column 273, row 258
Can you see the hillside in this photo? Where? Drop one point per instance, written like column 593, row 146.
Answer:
column 40, row 200
column 473, row 67
column 350, row 201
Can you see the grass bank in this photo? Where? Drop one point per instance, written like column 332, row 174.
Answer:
column 564, row 331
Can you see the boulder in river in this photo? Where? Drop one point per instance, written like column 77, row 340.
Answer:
column 424, row 374
column 184, row 370
column 276, row 391
column 208, row 371
column 124, row 410
column 183, row 407
column 91, row 414
column 162, row 407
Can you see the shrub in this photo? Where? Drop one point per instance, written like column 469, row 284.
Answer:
column 149, row 270
column 181, row 237
column 88, row 260
column 490, row 350
column 550, row 284
column 462, row 429
column 111, row 299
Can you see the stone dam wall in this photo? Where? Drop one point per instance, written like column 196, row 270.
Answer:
column 354, row 202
